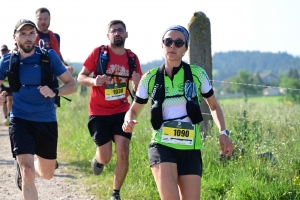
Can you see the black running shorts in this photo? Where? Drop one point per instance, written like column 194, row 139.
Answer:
column 103, row 128
column 29, row 137
column 188, row 161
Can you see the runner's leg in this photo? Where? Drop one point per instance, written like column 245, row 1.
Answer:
column 9, row 104
column 44, row 167
column 104, row 153
column 122, row 163
column 4, row 109
column 26, row 163
column 189, row 186
column 165, row 175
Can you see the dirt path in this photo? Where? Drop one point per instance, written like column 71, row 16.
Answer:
column 63, row 186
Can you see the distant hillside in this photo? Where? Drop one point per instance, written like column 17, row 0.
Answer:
column 76, row 65
column 145, row 66
column 227, row 64
column 150, row 65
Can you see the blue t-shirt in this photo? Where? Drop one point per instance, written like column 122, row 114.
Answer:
column 28, row 102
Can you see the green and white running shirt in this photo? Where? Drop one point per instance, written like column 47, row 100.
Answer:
column 176, row 107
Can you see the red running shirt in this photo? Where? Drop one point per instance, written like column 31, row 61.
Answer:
column 118, row 65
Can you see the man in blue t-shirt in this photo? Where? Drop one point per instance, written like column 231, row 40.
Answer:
column 51, row 40
column 33, row 123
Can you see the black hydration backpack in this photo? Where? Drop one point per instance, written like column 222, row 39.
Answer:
column 13, row 71
column 104, row 60
column 190, row 94
column 14, row 76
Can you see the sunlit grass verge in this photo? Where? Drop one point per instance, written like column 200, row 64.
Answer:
column 77, row 149
column 256, row 127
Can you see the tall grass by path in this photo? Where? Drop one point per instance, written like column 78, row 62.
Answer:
column 77, row 148
column 244, row 176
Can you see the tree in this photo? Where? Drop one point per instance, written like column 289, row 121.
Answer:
column 244, row 78
column 293, row 73
column 292, row 83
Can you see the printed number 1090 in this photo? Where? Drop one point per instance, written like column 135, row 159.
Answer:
column 181, row 133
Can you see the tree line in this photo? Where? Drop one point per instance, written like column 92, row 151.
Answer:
column 227, row 64
column 247, row 67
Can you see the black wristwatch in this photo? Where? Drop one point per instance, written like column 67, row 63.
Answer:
column 56, row 91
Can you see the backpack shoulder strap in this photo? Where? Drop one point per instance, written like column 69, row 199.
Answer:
column 102, row 60
column 158, row 93
column 47, row 73
column 187, row 72
column 14, row 61
column 13, row 72
column 131, row 61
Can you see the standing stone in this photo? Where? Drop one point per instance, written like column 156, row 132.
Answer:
column 200, row 54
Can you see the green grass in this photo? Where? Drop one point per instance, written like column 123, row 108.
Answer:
column 261, row 124
column 261, row 100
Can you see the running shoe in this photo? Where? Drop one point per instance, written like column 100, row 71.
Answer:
column 115, row 197
column 18, row 176
column 97, row 168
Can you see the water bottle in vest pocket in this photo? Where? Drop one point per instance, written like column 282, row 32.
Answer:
column 192, row 104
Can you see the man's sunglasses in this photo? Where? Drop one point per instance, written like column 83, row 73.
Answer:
column 178, row 42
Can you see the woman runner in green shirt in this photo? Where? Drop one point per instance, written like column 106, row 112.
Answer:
column 175, row 149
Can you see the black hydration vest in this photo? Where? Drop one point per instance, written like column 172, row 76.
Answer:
column 14, row 76
column 158, row 97
column 104, row 60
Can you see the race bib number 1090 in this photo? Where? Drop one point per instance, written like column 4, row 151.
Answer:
column 175, row 132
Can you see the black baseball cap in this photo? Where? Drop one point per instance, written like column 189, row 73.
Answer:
column 4, row 47
column 23, row 22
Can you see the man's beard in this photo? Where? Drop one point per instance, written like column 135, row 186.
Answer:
column 26, row 48
column 118, row 43
column 43, row 29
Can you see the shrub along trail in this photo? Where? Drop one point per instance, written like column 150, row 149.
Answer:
column 61, row 187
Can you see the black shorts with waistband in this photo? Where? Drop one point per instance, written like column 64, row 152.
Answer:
column 29, row 137
column 103, row 128
column 189, row 162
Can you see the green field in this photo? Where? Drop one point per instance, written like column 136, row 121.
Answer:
column 260, row 125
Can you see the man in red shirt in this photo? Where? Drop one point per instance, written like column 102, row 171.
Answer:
column 108, row 101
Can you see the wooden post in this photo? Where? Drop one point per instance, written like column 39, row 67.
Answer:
column 200, row 54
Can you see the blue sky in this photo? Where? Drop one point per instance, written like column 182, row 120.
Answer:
column 252, row 25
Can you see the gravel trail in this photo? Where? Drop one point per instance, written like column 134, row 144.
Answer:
column 63, row 186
